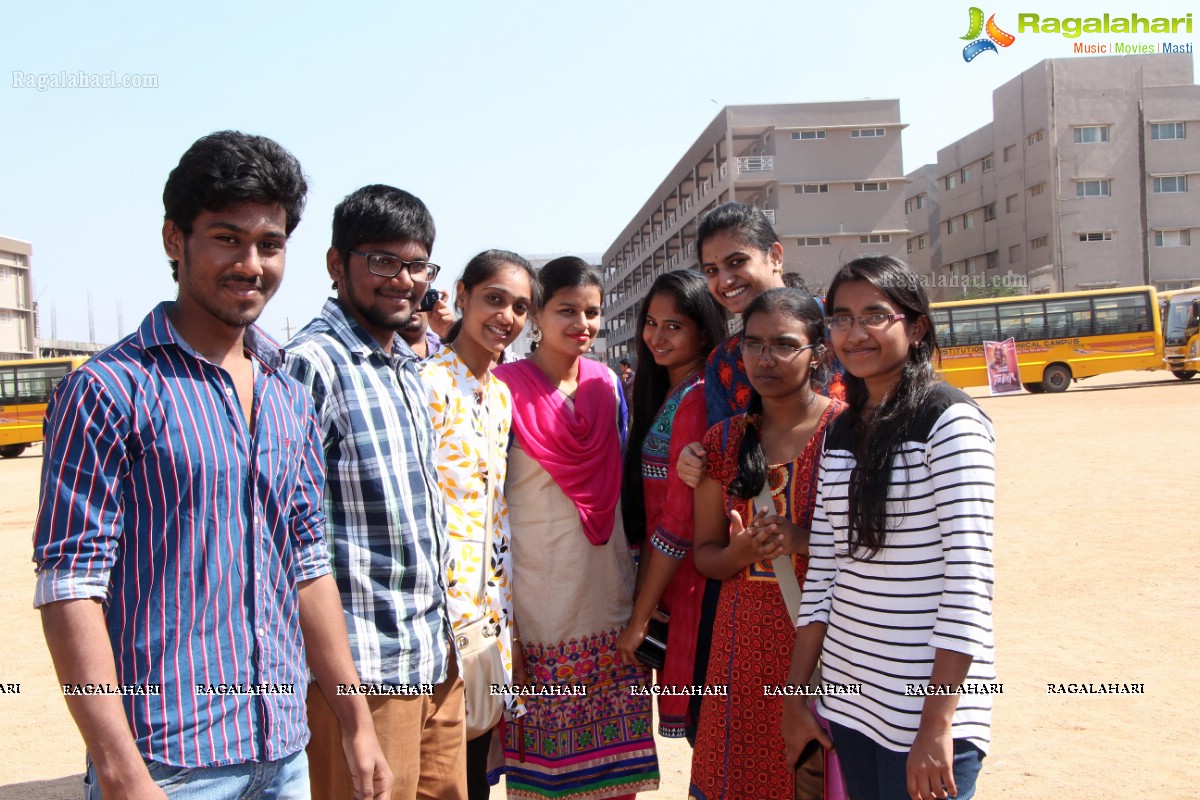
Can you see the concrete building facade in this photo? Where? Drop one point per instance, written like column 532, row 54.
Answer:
column 18, row 324
column 828, row 175
column 1085, row 178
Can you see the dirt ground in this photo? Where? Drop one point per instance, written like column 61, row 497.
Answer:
column 1097, row 552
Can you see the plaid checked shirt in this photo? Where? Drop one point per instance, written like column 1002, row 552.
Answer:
column 386, row 519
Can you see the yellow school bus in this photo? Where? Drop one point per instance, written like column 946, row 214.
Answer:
column 1181, row 332
column 25, row 387
column 1060, row 337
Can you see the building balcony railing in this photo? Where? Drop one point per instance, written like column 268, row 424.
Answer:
column 706, row 187
column 769, row 213
column 756, row 164
column 725, row 170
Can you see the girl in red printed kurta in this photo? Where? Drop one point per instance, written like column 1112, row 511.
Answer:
column 678, row 325
column 739, row 746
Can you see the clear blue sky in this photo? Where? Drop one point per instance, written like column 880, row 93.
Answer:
column 539, row 127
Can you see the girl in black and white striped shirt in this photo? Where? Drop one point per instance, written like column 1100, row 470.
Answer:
column 898, row 596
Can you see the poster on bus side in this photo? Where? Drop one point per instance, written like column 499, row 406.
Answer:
column 1001, row 360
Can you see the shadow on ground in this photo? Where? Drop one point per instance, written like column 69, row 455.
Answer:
column 69, row 788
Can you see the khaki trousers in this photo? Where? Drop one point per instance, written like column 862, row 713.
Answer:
column 424, row 740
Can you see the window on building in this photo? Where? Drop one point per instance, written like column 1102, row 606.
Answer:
column 922, row 241
column 1173, row 238
column 1091, row 134
column 966, row 175
column 867, row 133
column 950, row 225
column 812, row 188
column 812, row 241
column 1094, row 188
column 1037, row 189
column 951, row 181
column 1167, row 130
column 1039, row 242
column 1170, row 184
column 968, row 221
column 875, row 238
column 873, row 186
column 1035, row 137
column 1099, row 236
column 1014, row 254
column 992, row 259
column 1010, row 152
column 988, row 164
column 910, row 245
column 921, row 200
column 807, row 136
column 1010, row 204
column 908, row 206
column 989, row 212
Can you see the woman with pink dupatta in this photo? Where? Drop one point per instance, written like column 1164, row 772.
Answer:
column 585, row 732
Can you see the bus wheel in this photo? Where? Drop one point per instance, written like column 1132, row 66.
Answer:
column 1056, row 378
column 1034, row 388
column 12, row 450
column 1184, row 374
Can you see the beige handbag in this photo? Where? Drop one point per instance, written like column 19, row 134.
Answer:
column 478, row 642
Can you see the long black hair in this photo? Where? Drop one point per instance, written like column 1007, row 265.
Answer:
column 652, row 383
column 800, row 306
column 877, row 439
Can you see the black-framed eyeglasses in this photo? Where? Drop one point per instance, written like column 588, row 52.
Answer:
column 779, row 351
column 386, row 265
column 844, row 322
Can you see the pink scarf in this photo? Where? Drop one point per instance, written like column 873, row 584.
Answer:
column 580, row 449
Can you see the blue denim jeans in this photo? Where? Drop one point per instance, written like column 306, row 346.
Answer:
column 285, row 779
column 874, row 772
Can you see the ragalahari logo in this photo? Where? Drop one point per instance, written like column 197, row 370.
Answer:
column 995, row 36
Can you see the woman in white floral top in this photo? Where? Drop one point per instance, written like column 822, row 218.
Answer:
column 472, row 416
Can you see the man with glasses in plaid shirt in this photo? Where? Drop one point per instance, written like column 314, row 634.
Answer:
column 386, row 515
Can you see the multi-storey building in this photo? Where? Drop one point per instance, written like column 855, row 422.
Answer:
column 1080, row 181
column 923, row 247
column 18, row 329
column 828, row 175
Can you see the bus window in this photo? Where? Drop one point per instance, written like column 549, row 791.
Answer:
column 941, row 326
column 1125, row 313
column 1183, row 322
column 973, row 325
column 8, row 387
column 1068, row 318
column 35, row 384
column 1022, row 321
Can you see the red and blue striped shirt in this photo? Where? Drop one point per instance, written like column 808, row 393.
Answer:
column 194, row 530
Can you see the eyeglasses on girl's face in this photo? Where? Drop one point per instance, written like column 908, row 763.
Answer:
column 780, row 351
column 842, row 323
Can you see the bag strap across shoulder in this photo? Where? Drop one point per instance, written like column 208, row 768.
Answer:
column 785, row 573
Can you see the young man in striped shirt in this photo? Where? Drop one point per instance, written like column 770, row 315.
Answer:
column 387, row 518
column 182, row 569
